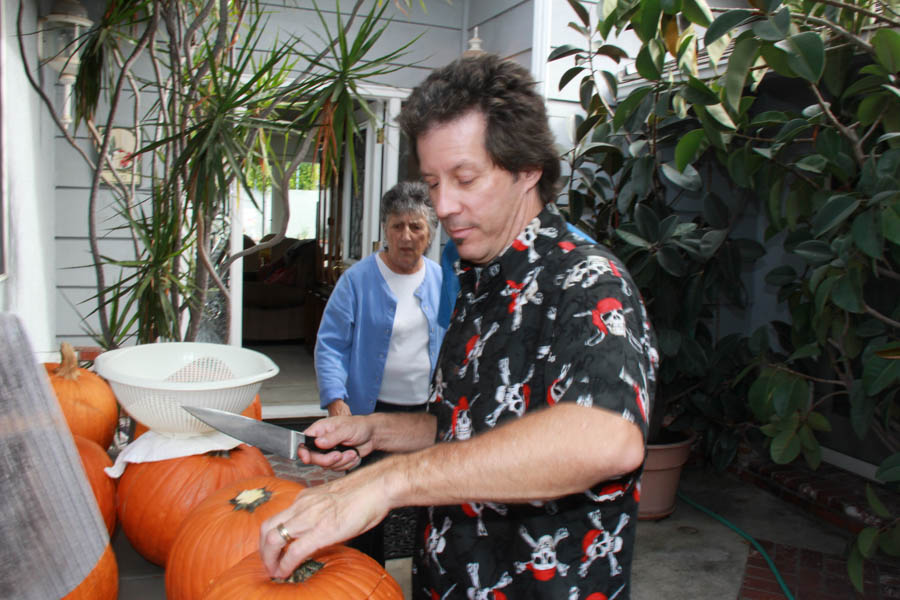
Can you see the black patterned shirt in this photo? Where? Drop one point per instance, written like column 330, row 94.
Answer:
column 552, row 319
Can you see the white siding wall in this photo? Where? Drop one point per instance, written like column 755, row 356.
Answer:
column 27, row 291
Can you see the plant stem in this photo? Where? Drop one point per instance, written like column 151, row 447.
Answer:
column 881, row 317
column 779, row 367
column 847, row 132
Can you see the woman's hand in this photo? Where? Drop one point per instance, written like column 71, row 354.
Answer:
column 339, row 408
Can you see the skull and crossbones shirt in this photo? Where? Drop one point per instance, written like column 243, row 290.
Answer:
column 552, row 319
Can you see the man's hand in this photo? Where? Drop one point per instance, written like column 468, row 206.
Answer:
column 339, row 408
column 349, row 431
column 321, row 516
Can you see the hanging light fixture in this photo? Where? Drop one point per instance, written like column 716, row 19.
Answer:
column 474, row 48
column 59, row 45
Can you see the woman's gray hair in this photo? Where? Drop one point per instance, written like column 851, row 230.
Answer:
column 409, row 197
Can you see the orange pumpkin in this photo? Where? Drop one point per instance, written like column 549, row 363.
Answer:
column 154, row 497
column 221, row 531
column 87, row 401
column 102, row 583
column 333, row 572
column 254, row 411
column 94, row 459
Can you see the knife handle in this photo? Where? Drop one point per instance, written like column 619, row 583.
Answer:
column 310, row 444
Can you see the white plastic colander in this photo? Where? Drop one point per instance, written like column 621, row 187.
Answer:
column 153, row 381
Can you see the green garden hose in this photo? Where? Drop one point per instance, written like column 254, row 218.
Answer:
column 747, row 537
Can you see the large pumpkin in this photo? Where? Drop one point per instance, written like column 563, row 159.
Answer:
column 254, row 411
column 87, row 401
column 102, row 583
column 222, row 530
column 335, row 572
column 94, row 459
column 154, row 497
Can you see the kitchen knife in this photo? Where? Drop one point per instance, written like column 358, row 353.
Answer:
column 265, row 436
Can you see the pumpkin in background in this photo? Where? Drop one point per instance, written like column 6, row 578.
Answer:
column 87, row 401
column 254, row 411
column 154, row 497
column 334, row 572
column 222, row 530
column 94, row 459
column 102, row 583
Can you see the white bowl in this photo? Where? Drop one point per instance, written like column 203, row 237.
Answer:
column 153, row 381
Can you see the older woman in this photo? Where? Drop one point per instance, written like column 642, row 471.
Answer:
column 379, row 337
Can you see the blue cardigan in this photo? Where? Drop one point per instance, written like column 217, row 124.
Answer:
column 355, row 333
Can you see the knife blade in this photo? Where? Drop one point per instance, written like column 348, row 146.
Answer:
column 265, row 436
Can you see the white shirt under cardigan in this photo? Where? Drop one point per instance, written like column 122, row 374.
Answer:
column 355, row 332
column 407, row 367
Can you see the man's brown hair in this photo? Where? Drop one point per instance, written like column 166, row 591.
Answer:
column 517, row 134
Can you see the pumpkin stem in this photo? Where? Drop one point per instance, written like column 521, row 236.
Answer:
column 303, row 572
column 250, row 500
column 68, row 367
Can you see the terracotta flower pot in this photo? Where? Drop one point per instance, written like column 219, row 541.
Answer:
column 659, row 482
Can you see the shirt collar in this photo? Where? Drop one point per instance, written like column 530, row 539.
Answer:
column 540, row 235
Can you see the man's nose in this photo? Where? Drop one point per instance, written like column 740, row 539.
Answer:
column 445, row 202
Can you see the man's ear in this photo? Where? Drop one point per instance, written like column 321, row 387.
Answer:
column 531, row 177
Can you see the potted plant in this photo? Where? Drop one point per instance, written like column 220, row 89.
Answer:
column 796, row 114
column 677, row 236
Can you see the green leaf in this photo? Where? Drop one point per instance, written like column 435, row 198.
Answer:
column 889, row 541
column 807, row 439
column 568, row 76
column 875, row 502
column 769, row 430
column 688, row 179
column 807, row 351
column 669, row 341
column 855, row 568
column 632, row 239
column 647, row 222
column 697, row 92
column 785, row 446
column 889, row 470
column 775, row 27
column 581, row 11
column 697, row 12
column 887, row 48
column 718, row 112
column 879, row 373
column 872, row 107
column 890, row 222
column 777, row 59
column 648, row 20
column 564, row 51
column 847, row 292
column 649, row 63
column 688, row 148
column 806, row 55
column 671, row 261
column 837, row 210
column 818, row 421
column 628, row 105
column 866, row 233
column 814, row 251
column 867, row 541
column 813, row 454
column 783, row 275
column 742, row 58
column 711, row 241
column 814, row 163
column 724, row 23
column 612, row 52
